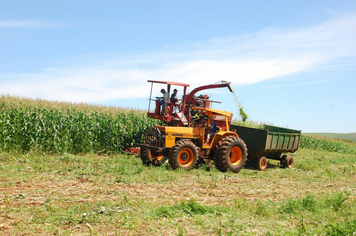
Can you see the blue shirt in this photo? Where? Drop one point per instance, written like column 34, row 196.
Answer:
column 213, row 127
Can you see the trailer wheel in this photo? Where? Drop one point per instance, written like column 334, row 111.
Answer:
column 230, row 154
column 262, row 163
column 184, row 155
column 151, row 157
column 287, row 161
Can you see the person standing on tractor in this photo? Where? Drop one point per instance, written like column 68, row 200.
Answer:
column 164, row 99
column 174, row 97
column 212, row 130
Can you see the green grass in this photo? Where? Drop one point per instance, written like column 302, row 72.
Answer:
column 98, row 195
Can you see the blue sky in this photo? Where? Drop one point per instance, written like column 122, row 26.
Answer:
column 291, row 63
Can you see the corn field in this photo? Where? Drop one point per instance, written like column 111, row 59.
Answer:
column 36, row 126
column 30, row 125
column 326, row 144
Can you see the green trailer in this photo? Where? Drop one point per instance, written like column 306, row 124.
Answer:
column 271, row 142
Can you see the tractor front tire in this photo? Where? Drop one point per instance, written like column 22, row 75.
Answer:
column 151, row 157
column 230, row 154
column 184, row 155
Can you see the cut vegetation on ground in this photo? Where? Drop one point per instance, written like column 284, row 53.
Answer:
column 117, row 195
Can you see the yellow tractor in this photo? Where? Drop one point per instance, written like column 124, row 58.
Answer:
column 184, row 139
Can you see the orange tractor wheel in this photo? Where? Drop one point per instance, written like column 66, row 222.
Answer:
column 151, row 157
column 184, row 155
column 231, row 154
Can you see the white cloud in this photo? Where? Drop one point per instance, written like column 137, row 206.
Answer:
column 244, row 59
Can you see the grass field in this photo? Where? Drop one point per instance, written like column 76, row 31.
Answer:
column 116, row 195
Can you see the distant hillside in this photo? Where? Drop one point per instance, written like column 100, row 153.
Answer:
column 349, row 136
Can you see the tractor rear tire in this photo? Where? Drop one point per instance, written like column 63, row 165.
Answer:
column 287, row 161
column 262, row 163
column 230, row 154
column 151, row 157
column 184, row 155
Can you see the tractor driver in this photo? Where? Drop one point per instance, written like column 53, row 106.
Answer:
column 212, row 130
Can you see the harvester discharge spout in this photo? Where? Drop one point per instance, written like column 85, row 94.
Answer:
column 229, row 87
column 220, row 84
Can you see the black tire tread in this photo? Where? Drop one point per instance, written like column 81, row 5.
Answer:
column 175, row 151
column 144, row 154
column 147, row 160
column 221, row 154
column 259, row 162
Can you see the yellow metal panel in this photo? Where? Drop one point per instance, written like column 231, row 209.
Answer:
column 210, row 111
column 170, row 140
column 172, row 133
column 182, row 131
